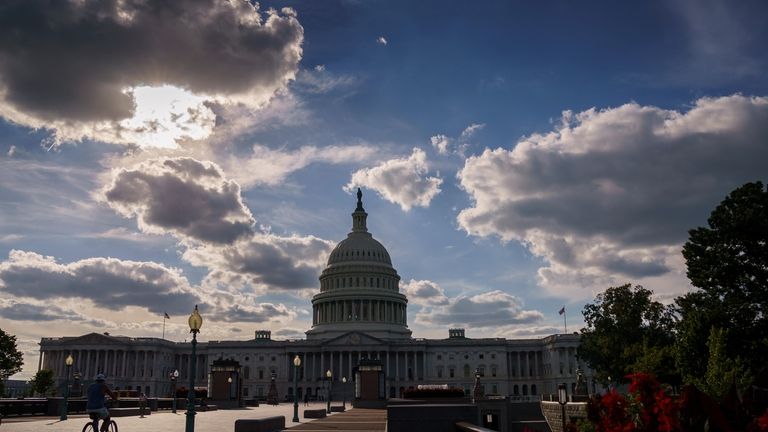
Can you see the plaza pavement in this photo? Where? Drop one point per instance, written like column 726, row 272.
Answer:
column 164, row 421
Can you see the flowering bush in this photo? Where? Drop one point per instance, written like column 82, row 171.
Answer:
column 646, row 408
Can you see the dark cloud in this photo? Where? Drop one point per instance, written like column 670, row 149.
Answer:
column 27, row 311
column 109, row 283
column 615, row 191
column 490, row 309
column 271, row 261
column 72, row 60
column 183, row 196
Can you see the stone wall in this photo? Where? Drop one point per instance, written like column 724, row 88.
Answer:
column 553, row 413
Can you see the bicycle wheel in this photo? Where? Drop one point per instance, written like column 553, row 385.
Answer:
column 112, row 426
column 89, row 427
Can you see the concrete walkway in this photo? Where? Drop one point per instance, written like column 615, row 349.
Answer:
column 163, row 421
column 354, row 420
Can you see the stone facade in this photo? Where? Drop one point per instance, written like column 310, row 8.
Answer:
column 359, row 313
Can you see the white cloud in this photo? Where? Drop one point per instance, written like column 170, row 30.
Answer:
column 424, row 292
column 12, row 151
column 381, row 40
column 440, row 142
column 610, row 194
column 402, row 181
column 489, row 309
column 265, row 166
column 470, row 130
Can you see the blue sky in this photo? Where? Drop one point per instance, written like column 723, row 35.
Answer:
column 515, row 157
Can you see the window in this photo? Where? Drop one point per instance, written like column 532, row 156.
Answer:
column 451, row 372
column 273, row 358
column 493, row 356
column 481, row 371
column 245, row 391
column 247, row 372
column 466, row 357
column 495, row 389
column 439, row 357
column 261, row 373
column 481, row 356
column 440, row 372
column 493, row 371
column 261, row 358
column 466, row 371
column 450, row 356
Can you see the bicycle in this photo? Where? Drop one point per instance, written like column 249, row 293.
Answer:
column 93, row 425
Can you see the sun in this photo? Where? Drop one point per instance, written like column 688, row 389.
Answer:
column 165, row 115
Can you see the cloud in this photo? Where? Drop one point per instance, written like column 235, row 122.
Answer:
column 470, row 130
column 184, row 196
column 440, row 142
column 609, row 195
column 401, row 181
column 265, row 261
column 381, row 40
column 109, row 283
column 489, row 309
column 458, row 146
column 11, row 151
column 15, row 310
column 424, row 292
column 102, row 52
column 265, row 166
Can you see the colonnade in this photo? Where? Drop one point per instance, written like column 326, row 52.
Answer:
column 398, row 365
column 525, row 364
column 359, row 310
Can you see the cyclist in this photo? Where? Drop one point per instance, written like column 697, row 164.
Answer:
column 95, row 405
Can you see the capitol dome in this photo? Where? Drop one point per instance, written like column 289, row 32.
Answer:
column 359, row 288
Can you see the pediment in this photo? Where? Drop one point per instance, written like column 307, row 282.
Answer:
column 94, row 339
column 354, row 338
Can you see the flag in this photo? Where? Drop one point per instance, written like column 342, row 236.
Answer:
column 561, row 311
column 166, row 315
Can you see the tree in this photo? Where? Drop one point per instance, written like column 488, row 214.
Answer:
column 11, row 359
column 728, row 264
column 42, row 382
column 628, row 332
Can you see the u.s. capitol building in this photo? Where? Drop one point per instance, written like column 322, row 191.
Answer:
column 359, row 313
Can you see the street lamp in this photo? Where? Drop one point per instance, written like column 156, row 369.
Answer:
column 174, row 375
column 329, row 375
column 296, row 364
column 229, row 381
column 344, row 393
column 562, row 398
column 195, row 322
column 68, row 361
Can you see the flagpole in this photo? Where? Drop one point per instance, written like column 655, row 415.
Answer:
column 163, row 326
column 565, row 321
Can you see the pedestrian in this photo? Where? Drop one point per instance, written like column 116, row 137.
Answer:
column 306, row 399
column 142, row 404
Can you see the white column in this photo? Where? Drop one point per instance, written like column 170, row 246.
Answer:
column 397, row 366
column 88, row 365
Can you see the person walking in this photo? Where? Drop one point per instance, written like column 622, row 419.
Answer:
column 306, row 399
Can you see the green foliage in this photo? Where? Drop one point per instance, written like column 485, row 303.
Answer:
column 626, row 331
column 11, row 359
column 42, row 382
column 722, row 370
column 728, row 263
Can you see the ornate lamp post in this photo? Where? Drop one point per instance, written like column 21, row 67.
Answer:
column 195, row 322
column 562, row 398
column 69, row 360
column 329, row 375
column 344, row 393
column 173, row 375
column 296, row 364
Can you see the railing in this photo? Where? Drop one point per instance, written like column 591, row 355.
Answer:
column 20, row 407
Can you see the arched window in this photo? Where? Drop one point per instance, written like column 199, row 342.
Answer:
column 516, row 390
column 533, row 389
column 525, row 389
column 247, row 372
column 466, row 371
